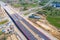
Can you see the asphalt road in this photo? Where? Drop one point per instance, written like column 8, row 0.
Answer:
column 15, row 17
column 21, row 27
column 32, row 28
column 29, row 36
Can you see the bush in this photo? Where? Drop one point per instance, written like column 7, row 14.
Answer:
column 54, row 21
column 3, row 22
column 16, row 5
column 0, row 32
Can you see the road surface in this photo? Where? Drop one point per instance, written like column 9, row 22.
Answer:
column 15, row 17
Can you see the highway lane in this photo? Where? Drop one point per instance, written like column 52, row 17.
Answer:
column 15, row 16
column 29, row 25
column 32, row 28
column 21, row 27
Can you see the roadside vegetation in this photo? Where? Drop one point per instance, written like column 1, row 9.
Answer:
column 25, row 5
column 0, row 32
column 26, row 14
column 29, row 5
column 2, row 36
column 3, row 22
column 42, row 3
column 52, row 15
column 16, row 5
column 54, row 21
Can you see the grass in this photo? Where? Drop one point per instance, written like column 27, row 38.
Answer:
column 0, row 32
column 16, row 5
column 52, row 14
column 3, row 22
column 30, row 5
column 25, row 5
column 54, row 21
column 26, row 14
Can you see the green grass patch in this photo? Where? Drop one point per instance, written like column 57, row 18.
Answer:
column 3, row 22
column 0, row 32
column 54, row 21
column 16, row 5
column 32, row 5
column 29, row 5
column 52, row 14
column 26, row 14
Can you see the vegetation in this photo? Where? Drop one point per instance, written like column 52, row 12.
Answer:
column 54, row 20
column 42, row 3
column 25, row 5
column 53, row 15
column 51, row 11
column 3, row 37
column 16, row 5
column 26, row 14
column 0, row 32
column 56, row 0
column 3, row 22
column 29, row 4
column 49, row 8
column 25, row 8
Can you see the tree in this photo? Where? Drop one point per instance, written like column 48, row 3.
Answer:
column 49, row 8
column 25, row 8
